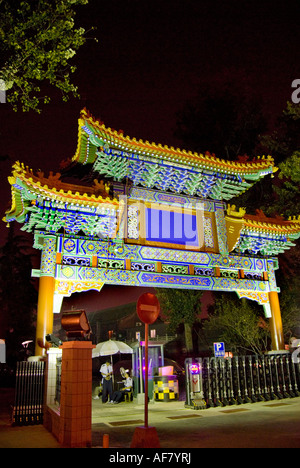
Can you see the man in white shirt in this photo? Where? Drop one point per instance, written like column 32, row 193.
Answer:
column 106, row 371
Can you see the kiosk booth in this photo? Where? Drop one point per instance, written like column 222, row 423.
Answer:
column 162, row 384
column 155, row 359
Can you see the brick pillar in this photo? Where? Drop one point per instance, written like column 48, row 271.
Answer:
column 76, row 394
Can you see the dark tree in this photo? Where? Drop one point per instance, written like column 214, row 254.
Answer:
column 18, row 296
column 224, row 119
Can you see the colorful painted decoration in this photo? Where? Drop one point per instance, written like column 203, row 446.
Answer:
column 161, row 221
column 164, row 168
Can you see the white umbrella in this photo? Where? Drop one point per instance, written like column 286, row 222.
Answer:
column 107, row 348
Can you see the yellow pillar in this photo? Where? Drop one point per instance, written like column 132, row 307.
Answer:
column 44, row 322
column 276, row 323
column 44, row 325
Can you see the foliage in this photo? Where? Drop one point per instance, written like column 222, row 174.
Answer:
column 215, row 122
column 289, row 281
column 278, row 194
column 289, row 305
column 290, row 168
column 287, row 199
column 180, row 306
column 285, row 138
column 239, row 324
column 284, row 145
column 223, row 119
column 38, row 39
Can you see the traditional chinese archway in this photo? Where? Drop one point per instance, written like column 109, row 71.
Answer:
column 160, row 219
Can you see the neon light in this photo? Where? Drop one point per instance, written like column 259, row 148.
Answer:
column 194, row 369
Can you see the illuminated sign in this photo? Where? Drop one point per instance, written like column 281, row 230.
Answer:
column 219, row 349
column 194, row 369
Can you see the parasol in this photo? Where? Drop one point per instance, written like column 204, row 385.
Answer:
column 107, row 348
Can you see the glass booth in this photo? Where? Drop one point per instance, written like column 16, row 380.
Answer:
column 156, row 361
column 162, row 384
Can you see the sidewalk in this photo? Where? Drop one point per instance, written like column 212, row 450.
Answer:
column 20, row 436
column 272, row 424
column 268, row 424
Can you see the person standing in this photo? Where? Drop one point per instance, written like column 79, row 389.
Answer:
column 106, row 371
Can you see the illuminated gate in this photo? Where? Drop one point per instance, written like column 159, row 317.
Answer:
column 160, row 219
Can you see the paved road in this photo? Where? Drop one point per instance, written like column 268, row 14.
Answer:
column 262, row 425
column 273, row 424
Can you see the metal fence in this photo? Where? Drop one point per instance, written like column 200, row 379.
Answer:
column 29, row 393
column 220, row 382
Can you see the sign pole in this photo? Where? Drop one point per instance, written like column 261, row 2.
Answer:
column 146, row 373
column 148, row 309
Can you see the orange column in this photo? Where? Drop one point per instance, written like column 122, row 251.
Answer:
column 44, row 322
column 276, row 323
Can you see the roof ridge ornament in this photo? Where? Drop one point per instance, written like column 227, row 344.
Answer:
column 231, row 211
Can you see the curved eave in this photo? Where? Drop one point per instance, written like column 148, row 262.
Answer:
column 26, row 189
column 93, row 134
column 282, row 228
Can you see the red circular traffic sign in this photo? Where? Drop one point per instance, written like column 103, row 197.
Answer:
column 148, row 308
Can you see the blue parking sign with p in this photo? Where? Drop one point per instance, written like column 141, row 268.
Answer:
column 219, row 349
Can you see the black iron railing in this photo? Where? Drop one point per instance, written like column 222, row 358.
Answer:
column 244, row 379
column 29, row 393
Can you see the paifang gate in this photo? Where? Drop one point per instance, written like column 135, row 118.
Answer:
column 157, row 216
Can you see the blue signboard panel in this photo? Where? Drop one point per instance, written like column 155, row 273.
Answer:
column 219, row 349
column 164, row 226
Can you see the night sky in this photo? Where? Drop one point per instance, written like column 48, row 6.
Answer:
column 153, row 56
